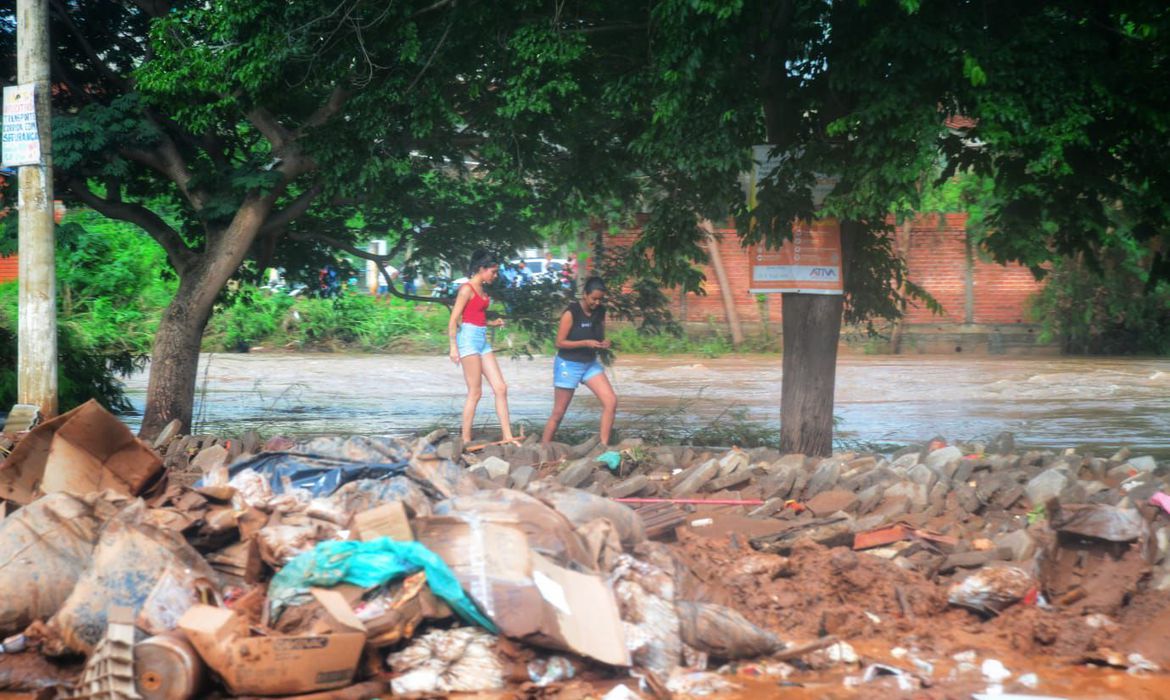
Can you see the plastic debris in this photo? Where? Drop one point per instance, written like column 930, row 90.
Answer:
column 1161, row 500
column 723, row 632
column 994, row 671
column 992, row 589
column 317, row 474
column 553, row 669
column 461, row 660
column 368, row 564
column 611, row 459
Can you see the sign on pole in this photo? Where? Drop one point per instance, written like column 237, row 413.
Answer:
column 810, row 263
column 22, row 140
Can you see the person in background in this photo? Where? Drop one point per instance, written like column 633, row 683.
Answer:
column 523, row 275
column 580, row 335
column 467, row 329
column 409, row 280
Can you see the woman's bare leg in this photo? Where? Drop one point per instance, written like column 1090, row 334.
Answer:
column 604, row 392
column 491, row 370
column 561, row 400
column 473, row 374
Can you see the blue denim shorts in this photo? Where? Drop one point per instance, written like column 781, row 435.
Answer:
column 472, row 340
column 569, row 375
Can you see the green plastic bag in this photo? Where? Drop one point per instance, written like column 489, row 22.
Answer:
column 369, row 564
column 611, row 459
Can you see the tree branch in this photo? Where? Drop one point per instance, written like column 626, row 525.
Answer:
column 432, row 7
column 379, row 260
column 177, row 251
column 273, row 130
column 325, row 112
column 166, row 160
column 295, row 209
column 99, row 65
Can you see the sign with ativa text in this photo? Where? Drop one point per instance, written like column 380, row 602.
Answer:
column 22, row 141
column 810, row 263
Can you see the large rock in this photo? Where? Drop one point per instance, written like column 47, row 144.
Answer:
column 1020, row 542
column 916, row 494
column 495, row 467
column 823, row 478
column 695, row 480
column 938, row 459
column 829, row 502
column 1047, row 485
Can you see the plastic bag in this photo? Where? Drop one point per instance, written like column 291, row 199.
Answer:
column 368, row 564
column 364, row 494
column 448, row 661
column 319, row 475
column 645, row 594
column 992, row 589
column 150, row 570
column 723, row 632
column 44, row 549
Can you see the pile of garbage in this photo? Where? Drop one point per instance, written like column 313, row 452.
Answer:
column 361, row 566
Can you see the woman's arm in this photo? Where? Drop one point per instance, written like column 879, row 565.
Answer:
column 453, row 322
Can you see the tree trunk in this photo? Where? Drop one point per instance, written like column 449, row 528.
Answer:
column 174, row 359
column 174, row 365
column 812, row 328
column 725, row 292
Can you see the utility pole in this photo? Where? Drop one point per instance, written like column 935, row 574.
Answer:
column 37, row 328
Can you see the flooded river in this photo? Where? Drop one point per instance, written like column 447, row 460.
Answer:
column 882, row 401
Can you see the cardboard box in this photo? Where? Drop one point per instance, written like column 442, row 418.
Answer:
column 85, row 450
column 278, row 664
column 387, row 520
column 529, row 597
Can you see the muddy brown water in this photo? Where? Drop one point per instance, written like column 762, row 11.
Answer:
column 882, row 401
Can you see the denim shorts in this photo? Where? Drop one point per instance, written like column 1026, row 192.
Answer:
column 472, row 340
column 568, row 374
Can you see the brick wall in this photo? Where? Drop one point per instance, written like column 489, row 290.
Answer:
column 8, row 267
column 970, row 289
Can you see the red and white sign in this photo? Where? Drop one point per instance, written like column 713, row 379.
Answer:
column 810, row 263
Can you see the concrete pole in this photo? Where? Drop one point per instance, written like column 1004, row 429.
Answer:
column 37, row 326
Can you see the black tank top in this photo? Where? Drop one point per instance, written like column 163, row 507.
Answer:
column 585, row 327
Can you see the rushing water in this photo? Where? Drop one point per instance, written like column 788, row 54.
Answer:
column 1101, row 403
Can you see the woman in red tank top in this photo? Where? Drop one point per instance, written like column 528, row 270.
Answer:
column 467, row 329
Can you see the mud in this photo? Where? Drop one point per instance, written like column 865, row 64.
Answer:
column 817, row 591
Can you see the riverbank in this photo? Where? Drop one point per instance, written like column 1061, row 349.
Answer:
column 882, row 402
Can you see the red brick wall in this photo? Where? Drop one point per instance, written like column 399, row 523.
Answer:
column 937, row 259
column 8, row 268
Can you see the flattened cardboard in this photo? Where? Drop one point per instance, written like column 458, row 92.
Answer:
column 387, row 520
column 271, row 665
column 79, row 452
column 528, row 596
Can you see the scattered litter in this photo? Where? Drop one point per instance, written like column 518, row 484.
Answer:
column 994, row 671
column 992, row 589
column 1161, row 500
column 905, row 680
column 553, row 669
column 461, row 660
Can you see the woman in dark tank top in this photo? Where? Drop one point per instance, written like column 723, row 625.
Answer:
column 580, row 335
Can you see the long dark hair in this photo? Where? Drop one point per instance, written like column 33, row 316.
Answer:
column 480, row 259
column 593, row 284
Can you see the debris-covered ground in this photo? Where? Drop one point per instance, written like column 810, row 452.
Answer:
column 365, row 567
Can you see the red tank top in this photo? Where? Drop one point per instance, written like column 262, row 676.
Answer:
column 475, row 312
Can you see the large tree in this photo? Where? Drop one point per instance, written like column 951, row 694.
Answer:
column 1060, row 104
column 269, row 124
